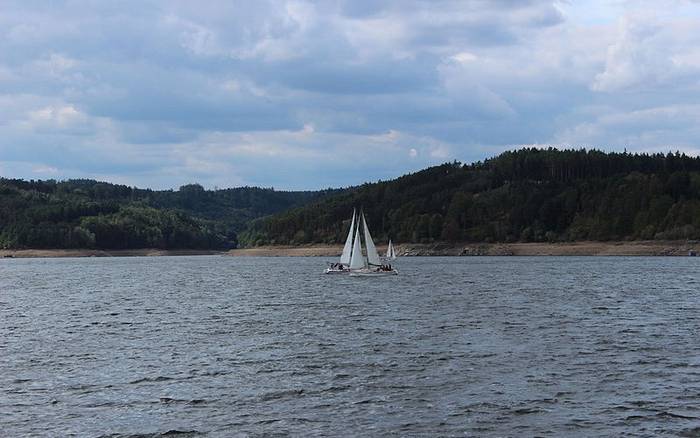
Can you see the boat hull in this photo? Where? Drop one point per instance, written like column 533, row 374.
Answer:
column 330, row 271
column 373, row 273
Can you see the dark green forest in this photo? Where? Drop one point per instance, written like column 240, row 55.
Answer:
column 92, row 214
column 528, row 195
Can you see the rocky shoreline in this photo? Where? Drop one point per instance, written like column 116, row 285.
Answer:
column 635, row 248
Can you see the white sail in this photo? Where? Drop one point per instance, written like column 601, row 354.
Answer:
column 347, row 249
column 390, row 253
column 372, row 255
column 357, row 261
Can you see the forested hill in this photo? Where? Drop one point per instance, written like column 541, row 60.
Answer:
column 91, row 214
column 525, row 195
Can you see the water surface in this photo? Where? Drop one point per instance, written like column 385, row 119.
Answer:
column 219, row 346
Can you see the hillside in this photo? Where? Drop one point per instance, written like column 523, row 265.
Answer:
column 529, row 195
column 92, row 214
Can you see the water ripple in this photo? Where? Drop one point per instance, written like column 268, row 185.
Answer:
column 221, row 346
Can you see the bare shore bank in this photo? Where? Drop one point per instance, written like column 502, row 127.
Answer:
column 636, row 248
column 30, row 253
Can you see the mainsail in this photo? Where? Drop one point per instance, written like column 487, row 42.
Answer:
column 372, row 255
column 347, row 249
column 357, row 261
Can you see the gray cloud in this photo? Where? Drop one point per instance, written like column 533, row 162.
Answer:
column 308, row 94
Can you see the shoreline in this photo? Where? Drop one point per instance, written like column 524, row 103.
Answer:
column 61, row 253
column 584, row 248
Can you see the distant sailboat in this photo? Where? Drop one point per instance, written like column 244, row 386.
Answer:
column 390, row 252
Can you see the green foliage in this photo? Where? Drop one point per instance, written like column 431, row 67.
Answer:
column 526, row 195
column 91, row 214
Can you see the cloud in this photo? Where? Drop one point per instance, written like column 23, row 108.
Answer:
column 646, row 54
column 305, row 94
column 670, row 127
column 56, row 117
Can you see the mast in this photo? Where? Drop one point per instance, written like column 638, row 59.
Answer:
column 347, row 249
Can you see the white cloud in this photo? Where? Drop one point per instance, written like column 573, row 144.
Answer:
column 55, row 64
column 648, row 53
column 59, row 116
column 657, row 128
column 464, row 57
column 440, row 152
column 46, row 170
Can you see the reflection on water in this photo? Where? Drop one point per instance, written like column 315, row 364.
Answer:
column 453, row 346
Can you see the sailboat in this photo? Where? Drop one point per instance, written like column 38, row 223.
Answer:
column 353, row 261
column 343, row 266
column 390, row 252
column 369, row 265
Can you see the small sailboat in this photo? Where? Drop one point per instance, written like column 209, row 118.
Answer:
column 390, row 252
column 343, row 266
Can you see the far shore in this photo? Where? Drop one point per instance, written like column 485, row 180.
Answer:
column 617, row 248
column 587, row 248
column 145, row 252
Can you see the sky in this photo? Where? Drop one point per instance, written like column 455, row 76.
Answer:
column 330, row 93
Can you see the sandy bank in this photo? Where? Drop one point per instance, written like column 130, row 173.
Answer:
column 287, row 251
column 24, row 253
column 638, row 248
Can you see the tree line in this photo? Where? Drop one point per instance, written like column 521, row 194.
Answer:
column 528, row 195
column 90, row 214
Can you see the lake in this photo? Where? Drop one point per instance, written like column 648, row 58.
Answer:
column 473, row 346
